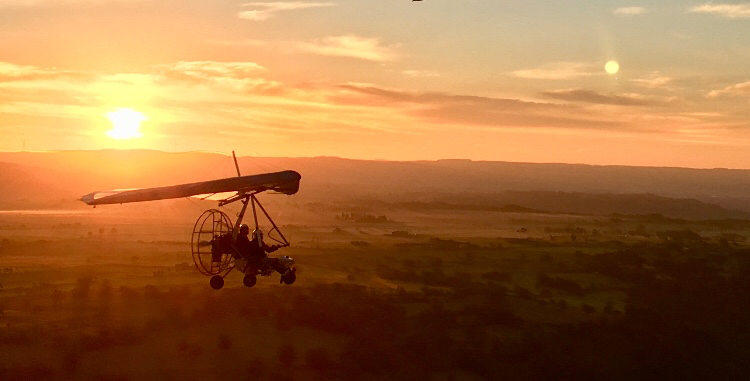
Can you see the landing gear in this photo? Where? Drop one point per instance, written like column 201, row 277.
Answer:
column 289, row 277
column 249, row 280
column 217, row 282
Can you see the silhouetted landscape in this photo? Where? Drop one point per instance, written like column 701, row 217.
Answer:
column 552, row 187
column 434, row 270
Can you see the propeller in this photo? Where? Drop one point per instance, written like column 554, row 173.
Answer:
column 224, row 224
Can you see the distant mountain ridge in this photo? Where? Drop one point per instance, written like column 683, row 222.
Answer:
column 22, row 182
column 607, row 204
column 74, row 173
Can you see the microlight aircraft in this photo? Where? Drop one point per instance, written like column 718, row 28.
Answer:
column 214, row 236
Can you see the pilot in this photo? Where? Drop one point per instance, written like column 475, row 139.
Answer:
column 255, row 250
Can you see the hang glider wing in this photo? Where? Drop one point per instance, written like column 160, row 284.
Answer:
column 286, row 182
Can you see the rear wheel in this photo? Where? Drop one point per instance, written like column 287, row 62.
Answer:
column 217, row 282
column 249, row 280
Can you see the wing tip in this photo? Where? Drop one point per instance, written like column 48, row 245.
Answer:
column 291, row 186
column 89, row 198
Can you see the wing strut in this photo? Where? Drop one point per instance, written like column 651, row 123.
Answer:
column 253, row 200
column 283, row 241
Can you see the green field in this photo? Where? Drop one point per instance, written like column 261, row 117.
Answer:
column 112, row 294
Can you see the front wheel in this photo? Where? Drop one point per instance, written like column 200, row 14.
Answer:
column 289, row 278
column 249, row 280
column 217, row 282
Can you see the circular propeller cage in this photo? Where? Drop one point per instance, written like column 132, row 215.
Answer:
column 211, row 243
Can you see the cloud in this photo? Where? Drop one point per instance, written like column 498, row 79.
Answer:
column 352, row 46
column 234, row 75
column 653, row 81
column 731, row 11
column 588, row 96
column 10, row 72
column 420, row 73
column 391, row 96
column 630, row 11
column 265, row 11
column 740, row 89
column 560, row 71
column 210, row 69
column 58, row 3
column 46, row 95
column 467, row 110
column 235, row 43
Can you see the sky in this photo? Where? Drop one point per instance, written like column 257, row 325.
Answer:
column 516, row 80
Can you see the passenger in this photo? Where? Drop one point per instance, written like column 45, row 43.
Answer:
column 255, row 250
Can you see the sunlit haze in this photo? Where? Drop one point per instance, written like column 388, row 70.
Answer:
column 656, row 83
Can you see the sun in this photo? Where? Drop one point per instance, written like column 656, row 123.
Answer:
column 125, row 124
column 612, row 67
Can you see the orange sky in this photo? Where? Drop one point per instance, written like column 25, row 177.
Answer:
column 396, row 80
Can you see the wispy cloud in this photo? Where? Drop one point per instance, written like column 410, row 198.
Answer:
column 740, row 89
column 265, row 11
column 235, row 75
column 731, row 11
column 653, row 81
column 235, row 43
column 630, row 11
column 420, row 73
column 58, row 3
column 560, row 71
column 13, row 72
column 351, row 46
column 477, row 111
column 10, row 70
column 207, row 69
column 588, row 96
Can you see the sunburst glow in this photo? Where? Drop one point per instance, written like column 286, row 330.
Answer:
column 612, row 67
column 125, row 124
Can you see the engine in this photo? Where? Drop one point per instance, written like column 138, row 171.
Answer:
column 286, row 261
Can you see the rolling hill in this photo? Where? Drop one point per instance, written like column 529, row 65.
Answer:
column 48, row 177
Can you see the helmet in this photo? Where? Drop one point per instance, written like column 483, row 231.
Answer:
column 244, row 227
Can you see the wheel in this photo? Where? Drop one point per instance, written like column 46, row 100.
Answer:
column 217, row 282
column 289, row 278
column 249, row 280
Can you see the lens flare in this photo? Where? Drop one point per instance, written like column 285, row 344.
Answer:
column 612, row 67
